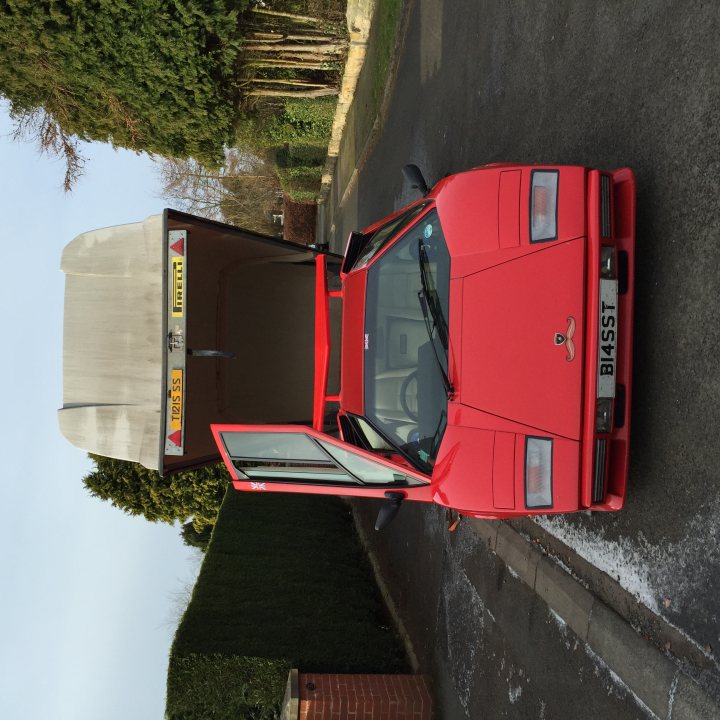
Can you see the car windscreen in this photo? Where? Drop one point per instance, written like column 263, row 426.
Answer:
column 406, row 345
column 385, row 233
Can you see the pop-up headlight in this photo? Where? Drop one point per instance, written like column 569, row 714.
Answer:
column 538, row 472
column 543, row 205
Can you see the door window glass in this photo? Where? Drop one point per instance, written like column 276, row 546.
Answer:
column 366, row 470
column 298, row 457
column 272, row 445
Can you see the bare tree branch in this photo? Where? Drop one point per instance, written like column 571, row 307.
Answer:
column 243, row 192
column 44, row 130
column 322, row 92
column 290, row 16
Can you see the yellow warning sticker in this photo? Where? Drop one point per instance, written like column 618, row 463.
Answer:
column 176, row 399
column 178, row 286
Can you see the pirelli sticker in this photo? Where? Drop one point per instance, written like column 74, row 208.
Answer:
column 178, row 286
column 175, row 348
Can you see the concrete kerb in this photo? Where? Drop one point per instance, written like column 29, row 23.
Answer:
column 648, row 674
column 519, row 556
column 688, row 702
column 570, row 600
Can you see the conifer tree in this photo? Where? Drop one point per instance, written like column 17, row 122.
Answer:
column 143, row 74
column 193, row 495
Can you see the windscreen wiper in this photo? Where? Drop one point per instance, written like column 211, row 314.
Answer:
column 432, row 313
column 437, row 435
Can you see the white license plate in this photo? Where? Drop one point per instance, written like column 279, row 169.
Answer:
column 607, row 336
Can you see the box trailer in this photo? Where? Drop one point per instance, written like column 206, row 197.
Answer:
column 178, row 322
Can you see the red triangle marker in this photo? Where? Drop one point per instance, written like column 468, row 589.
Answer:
column 175, row 438
column 179, row 246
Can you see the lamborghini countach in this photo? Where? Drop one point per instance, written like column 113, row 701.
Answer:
column 486, row 352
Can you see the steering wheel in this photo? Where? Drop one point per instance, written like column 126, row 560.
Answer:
column 403, row 395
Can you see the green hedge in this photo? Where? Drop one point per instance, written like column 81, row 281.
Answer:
column 284, row 584
column 216, row 686
column 147, row 74
column 297, row 120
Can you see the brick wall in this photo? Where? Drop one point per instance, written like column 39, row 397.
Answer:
column 364, row 697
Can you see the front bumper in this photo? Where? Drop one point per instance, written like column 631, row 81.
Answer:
column 605, row 455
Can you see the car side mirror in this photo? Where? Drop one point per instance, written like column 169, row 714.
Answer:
column 389, row 509
column 415, row 177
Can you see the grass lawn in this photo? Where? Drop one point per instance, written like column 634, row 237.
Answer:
column 387, row 20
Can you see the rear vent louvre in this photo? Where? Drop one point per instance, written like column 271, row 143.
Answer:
column 598, row 493
column 623, row 272
column 605, row 227
column 619, row 406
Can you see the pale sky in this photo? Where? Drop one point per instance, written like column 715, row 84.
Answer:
column 88, row 595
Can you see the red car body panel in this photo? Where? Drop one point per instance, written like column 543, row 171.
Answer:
column 322, row 343
column 353, row 329
column 538, row 388
column 495, row 487
column 469, row 206
column 525, row 329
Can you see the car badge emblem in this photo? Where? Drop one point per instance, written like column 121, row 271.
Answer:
column 567, row 339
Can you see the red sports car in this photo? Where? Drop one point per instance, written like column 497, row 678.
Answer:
column 486, row 352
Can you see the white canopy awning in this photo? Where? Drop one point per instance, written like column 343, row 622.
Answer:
column 113, row 331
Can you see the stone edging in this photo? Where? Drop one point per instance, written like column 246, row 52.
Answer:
column 359, row 16
column 652, row 677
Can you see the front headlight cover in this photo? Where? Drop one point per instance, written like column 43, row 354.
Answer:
column 538, row 472
column 608, row 268
column 543, row 205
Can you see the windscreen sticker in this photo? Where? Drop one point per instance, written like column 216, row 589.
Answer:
column 428, row 231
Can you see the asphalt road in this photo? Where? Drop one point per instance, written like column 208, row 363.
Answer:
column 492, row 646
column 607, row 85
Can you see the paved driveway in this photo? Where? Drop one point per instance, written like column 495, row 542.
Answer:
column 603, row 84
